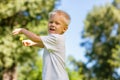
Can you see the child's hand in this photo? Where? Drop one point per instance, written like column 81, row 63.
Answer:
column 27, row 42
column 17, row 31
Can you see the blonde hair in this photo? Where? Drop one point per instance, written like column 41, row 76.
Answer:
column 65, row 15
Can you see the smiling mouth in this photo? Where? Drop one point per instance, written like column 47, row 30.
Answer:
column 52, row 29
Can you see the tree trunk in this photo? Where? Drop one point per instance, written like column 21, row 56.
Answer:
column 10, row 74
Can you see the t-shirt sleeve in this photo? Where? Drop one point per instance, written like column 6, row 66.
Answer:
column 49, row 42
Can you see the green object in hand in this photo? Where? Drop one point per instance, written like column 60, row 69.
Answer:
column 21, row 38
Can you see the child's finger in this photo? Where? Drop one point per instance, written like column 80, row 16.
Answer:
column 16, row 31
column 25, row 43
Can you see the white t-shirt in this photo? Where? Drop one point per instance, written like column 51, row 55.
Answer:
column 54, row 58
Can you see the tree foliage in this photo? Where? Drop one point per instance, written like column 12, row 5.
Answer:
column 78, row 71
column 102, row 32
column 29, row 14
column 102, row 26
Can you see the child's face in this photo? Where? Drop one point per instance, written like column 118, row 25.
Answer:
column 56, row 25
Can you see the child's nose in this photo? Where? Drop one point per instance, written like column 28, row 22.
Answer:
column 53, row 24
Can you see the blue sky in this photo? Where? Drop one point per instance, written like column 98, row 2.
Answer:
column 78, row 10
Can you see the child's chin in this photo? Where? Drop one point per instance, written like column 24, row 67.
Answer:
column 52, row 32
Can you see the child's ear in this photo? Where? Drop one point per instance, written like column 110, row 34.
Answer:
column 65, row 28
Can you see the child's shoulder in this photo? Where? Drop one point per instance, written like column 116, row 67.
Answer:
column 56, row 37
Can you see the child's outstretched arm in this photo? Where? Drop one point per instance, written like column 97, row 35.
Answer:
column 29, row 34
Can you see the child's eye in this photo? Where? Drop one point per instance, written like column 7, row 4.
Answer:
column 50, row 21
column 57, row 23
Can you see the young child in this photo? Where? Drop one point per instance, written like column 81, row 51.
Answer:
column 53, row 44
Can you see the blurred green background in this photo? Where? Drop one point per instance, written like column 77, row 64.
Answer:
column 101, row 26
